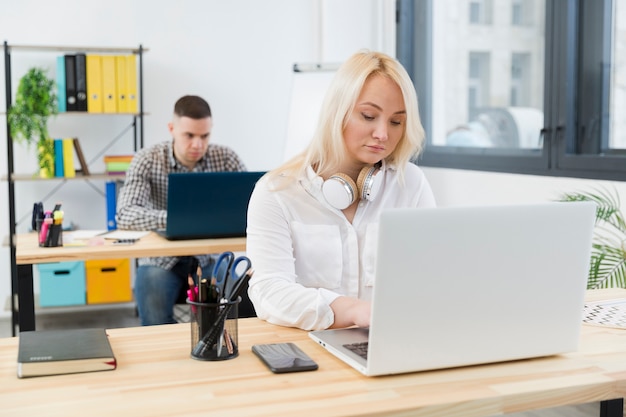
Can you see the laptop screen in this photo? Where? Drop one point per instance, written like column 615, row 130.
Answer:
column 203, row 205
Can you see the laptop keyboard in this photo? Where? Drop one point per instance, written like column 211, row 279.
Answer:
column 359, row 348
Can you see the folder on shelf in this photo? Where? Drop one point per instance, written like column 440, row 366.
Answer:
column 60, row 77
column 59, row 171
column 94, row 84
column 81, row 82
column 70, row 83
column 131, row 83
column 122, row 85
column 109, row 83
column 111, row 200
column 68, row 158
column 81, row 157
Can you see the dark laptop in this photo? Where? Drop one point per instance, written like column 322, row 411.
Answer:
column 203, row 205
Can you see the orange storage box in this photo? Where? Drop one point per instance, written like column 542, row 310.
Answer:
column 108, row 281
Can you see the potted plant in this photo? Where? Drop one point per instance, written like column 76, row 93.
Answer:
column 35, row 102
column 608, row 253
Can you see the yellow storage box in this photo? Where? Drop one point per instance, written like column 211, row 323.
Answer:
column 108, row 281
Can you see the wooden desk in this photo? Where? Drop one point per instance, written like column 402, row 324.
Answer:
column 157, row 377
column 28, row 253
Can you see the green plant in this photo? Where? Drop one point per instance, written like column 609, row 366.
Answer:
column 608, row 253
column 35, row 102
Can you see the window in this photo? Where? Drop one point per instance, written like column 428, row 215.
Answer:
column 521, row 12
column 517, row 13
column 479, row 12
column 520, row 80
column 539, row 90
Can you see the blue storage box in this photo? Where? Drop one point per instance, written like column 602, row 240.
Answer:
column 62, row 284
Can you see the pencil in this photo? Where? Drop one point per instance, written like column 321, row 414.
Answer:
column 190, row 281
column 229, row 342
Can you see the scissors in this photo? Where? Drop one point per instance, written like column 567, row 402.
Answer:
column 221, row 271
column 236, row 274
column 228, row 271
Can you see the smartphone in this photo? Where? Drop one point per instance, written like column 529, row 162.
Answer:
column 284, row 357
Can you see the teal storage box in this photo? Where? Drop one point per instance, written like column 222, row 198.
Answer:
column 62, row 284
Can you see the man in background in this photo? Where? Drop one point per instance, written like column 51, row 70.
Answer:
column 162, row 282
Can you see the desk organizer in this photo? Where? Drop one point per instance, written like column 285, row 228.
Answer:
column 61, row 284
column 214, row 333
column 49, row 234
column 108, row 281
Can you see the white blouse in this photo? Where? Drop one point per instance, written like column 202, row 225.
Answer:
column 305, row 253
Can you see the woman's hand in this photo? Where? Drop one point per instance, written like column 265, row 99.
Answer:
column 351, row 312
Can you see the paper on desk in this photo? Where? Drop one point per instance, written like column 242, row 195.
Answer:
column 610, row 313
column 125, row 234
column 81, row 234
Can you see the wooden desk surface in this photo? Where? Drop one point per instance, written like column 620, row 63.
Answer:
column 157, row 377
column 29, row 252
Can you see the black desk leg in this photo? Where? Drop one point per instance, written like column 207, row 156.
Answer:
column 612, row 408
column 25, row 298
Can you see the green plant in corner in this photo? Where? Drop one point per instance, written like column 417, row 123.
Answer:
column 35, row 102
column 608, row 253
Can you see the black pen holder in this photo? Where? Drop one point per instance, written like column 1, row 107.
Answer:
column 49, row 235
column 214, row 332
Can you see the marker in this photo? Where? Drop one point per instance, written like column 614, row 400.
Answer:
column 45, row 227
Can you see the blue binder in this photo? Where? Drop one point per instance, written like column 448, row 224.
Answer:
column 111, row 199
column 61, row 97
column 59, row 170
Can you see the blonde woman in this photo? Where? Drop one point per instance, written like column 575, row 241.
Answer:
column 312, row 222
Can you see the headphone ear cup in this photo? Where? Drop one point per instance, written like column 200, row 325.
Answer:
column 369, row 182
column 340, row 191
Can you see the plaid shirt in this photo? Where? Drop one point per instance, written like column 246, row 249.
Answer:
column 142, row 201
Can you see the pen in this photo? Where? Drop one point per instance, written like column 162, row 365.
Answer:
column 203, row 291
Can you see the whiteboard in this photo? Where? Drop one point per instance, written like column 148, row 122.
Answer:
column 307, row 94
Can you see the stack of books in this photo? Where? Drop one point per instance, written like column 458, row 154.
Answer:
column 117, row 164
column 64, row 165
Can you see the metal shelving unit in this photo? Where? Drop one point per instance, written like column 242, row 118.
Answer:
column 12, row 178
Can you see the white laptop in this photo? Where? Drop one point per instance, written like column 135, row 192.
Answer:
column 469, row 285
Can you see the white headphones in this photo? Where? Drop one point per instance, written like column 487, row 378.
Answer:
column 340, row 191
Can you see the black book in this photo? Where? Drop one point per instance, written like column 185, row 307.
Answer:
column 70, row 83
column 81, row 82
column 67, row 351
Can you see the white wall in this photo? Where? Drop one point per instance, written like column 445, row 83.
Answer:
column 238, row 54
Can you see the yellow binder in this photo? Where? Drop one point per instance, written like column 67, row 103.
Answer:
column 68, row 158
column 131, row 83
column 109, row 83
column 94, row 84
column 122, row 87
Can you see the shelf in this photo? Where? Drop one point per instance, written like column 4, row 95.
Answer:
column 20, row 295
column 86, row 113
column 79, row 176
column 52, row 48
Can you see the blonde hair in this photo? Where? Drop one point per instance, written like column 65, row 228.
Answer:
column 326, row 150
